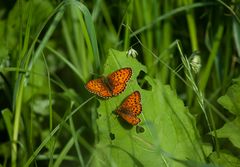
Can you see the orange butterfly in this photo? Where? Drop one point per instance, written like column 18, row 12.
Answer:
column 131, row 108
column 112, row 85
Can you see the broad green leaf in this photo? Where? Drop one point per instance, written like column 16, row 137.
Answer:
column 224, row 159
column 169, row 130
column 231, row 131
column 231, row 101
column 190, row 163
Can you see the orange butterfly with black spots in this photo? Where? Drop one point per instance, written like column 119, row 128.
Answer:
column 131, row 108
column 112, row 85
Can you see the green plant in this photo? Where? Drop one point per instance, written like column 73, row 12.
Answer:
column 190, row 99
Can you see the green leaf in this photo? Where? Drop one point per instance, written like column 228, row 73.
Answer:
column 169, row 130
column 8, row 116
column 190, row 163
column 224, row 159
column 36, row 82
column 236, row 35
column 40, row 105
column 231, row 101
column 64, row 152
column 231, row 131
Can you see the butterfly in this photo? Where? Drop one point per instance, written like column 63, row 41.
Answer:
column 131, row 108
column 112, row 85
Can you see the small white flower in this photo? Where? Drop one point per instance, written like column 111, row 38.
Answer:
column 133, row 53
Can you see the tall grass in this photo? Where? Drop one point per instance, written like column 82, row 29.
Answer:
column 55, row 48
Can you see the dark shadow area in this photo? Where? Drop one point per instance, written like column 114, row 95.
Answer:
column 122, row 122
column 142, row 82
column 140, row 129
column 112, row 136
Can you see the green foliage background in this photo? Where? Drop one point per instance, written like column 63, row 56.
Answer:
column 186, row 69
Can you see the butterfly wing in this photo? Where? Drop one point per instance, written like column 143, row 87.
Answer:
column 133, row 103
column 131, row 108
column 118, row 80
column 133, row 120
column 98, row 87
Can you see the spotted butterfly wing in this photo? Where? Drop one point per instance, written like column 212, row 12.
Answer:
column 112, row 85
column 98, row 87
column 131, row 108
column 118, row 79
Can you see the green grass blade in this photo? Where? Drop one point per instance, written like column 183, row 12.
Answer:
column 207, row 70
column 7, row 116
column 64, row 152
column 47, row 139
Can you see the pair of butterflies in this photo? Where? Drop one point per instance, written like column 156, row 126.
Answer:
column 114, row 84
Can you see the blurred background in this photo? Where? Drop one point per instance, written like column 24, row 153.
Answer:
column 50, row 49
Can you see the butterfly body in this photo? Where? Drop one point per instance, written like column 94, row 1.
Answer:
column 112, row 85
column 131, row 108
